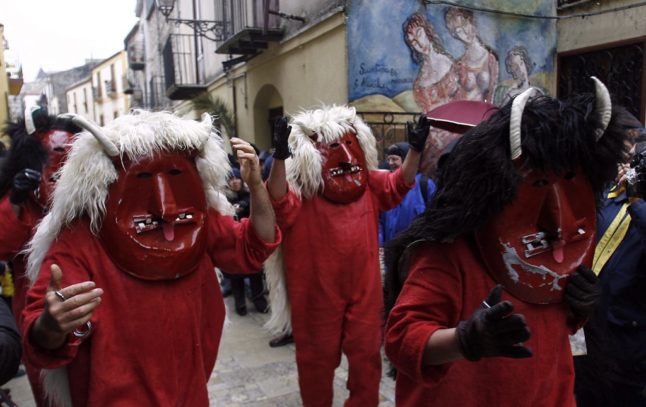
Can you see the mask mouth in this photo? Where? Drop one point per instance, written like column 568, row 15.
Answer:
column 150, row 222
column 542, row 242
column 344, row 170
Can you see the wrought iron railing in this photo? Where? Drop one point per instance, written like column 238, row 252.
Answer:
column 239, row 15
column 156, row 94
column 179, row 60
column 387, row 127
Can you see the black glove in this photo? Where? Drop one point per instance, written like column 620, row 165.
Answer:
column 281, row 135
column 582, row 292
column 24, row 182
column 494, row 331
column 418, row 133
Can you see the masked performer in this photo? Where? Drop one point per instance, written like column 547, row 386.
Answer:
column 327, row 199
column 137, row 224
column 498, row 275
column 40, row 146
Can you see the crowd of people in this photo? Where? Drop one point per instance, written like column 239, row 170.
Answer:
column 115, row 233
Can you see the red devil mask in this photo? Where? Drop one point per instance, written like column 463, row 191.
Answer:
column 542, row 236
column 154, row 227
column 344, row 169
column 57, row 143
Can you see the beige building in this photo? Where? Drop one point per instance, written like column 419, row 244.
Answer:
column 80, row 99
column 107, row 80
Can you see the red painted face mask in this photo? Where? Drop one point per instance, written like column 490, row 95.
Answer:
column 154, row 227
column 542, row 237
column 344, row 169
column 58, row 144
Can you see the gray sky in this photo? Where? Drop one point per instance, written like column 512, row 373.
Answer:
column 60, row 34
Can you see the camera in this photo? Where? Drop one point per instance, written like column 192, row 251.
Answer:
column 636, row 176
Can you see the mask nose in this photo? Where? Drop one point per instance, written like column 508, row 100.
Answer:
column 165, row 206
column 346, row 156
column 557, row 220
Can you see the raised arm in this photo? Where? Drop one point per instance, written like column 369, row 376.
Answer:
column 261, row 212
column 277, row 182
column 417, row 135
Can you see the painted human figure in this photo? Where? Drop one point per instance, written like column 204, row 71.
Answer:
column 495, row 273
column 519, row 65
column 327, row 199
column 479, row 62
column 125, row 306
column 438, row 80
column 40, row 144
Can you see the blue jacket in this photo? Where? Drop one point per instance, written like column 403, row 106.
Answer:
column 398, row 218
column 622, row 311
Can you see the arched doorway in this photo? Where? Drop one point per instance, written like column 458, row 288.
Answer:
column 267, row 106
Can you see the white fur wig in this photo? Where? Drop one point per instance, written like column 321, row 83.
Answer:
column 82, row 188
column 329, row 124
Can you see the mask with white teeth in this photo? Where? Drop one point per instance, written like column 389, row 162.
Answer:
column 344, row 169
column 154, row 227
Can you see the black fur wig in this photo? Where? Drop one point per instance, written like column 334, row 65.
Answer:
column 478, row 178
column 27, row 151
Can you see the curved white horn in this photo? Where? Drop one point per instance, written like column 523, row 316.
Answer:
column 108, row 146
column 516, row 119
column 603, row 106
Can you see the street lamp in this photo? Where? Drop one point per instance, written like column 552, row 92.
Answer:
column 209, row 29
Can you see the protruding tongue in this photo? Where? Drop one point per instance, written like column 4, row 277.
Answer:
column 557, row 251
column 169, row 231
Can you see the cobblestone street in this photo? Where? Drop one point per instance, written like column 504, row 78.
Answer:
column 248, row 372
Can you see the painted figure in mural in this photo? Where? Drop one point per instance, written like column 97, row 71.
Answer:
column 519, row 65
column 479, row 63
column 522, row 244
column 437, row 81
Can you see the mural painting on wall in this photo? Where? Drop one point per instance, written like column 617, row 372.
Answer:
column 409, row 57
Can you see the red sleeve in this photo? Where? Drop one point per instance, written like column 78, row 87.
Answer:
column 14, row 231
column 63, row 253
column 430, row 300
column 388, row 188
column 287, row 209
column 235, row 247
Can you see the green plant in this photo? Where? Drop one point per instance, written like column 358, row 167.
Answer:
column 209, row 103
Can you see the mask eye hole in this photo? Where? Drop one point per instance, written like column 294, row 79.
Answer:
column 540, row 183
column 348, row 142
column 334, row 145
column 175, row 171
column 144, row 175
column 569, row 175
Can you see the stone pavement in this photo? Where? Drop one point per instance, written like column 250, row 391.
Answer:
column 248, row 372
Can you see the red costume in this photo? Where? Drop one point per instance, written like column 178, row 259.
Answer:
column 329, row 217
column 494, row 273
column 40, row 143
column 334, row 287
column 153, row 343
column 139, row 211
column 446, row 283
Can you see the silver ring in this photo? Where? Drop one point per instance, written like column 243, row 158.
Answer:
column 59, row 295
column 85, row 332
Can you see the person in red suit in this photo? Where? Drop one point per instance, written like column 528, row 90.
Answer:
column 327, row 199
column 125, row 307
column 495, row 274
column 40, row 143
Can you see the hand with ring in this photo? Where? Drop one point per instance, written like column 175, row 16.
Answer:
column 66, row 310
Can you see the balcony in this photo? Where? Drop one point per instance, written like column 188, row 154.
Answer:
column 136, row 56
column 249, row 26
column 180, row 68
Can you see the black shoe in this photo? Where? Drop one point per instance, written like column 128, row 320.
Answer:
column 261, row 305
column 241, row 310
column 281, row 341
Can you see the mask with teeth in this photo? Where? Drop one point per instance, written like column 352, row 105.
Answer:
column 57, row 143
column 344, row 169
column 154, row 227
column 542, row 236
